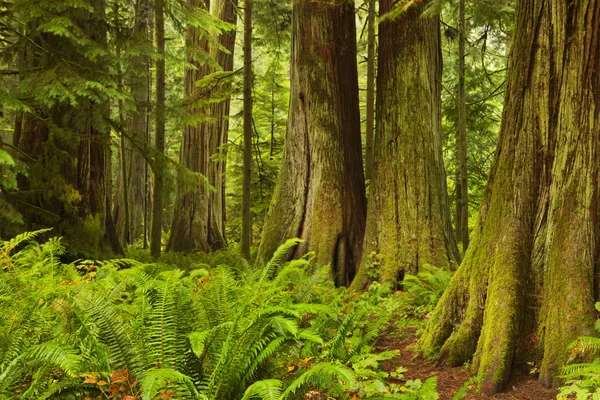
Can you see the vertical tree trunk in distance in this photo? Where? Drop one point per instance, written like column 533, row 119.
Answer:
column 247, row 170
column 199, row 220
column 159, row 136
column 408, row 218
column 371, row 63
column 94, row 163
column 528, row 283
column 462, row 188
column 320, row 194
column 136, row 139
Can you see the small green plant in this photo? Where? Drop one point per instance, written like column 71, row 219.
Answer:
column 582, row 380
column 372, row 265
column 427, row 287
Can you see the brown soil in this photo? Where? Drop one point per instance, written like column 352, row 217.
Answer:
column 523, row 385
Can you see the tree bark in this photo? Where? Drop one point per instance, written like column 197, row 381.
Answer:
column 462, row 190
column 136, row 139
column 371, row 64
column 159, row 136
column 528, row 283
column 408, row 219
column 199, row 221
column 247, row 168
column 320, row 194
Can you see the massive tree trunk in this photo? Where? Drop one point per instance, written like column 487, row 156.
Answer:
column 320, row 194
column 199, row 221
column 136, row 138
column 408, row 219
column 528, row 282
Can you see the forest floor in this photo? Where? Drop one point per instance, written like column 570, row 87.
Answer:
column 523, row 385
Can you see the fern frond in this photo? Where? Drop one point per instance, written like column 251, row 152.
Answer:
column 584, row 345
column 268, row 389
column 335, row 378
column 6, row 246
column 156, row 381
column 278, row 258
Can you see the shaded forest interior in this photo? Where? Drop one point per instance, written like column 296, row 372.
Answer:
column 223, row 199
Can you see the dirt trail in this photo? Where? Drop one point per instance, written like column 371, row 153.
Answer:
column 523, row 385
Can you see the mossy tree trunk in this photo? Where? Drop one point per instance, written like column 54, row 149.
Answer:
column 528, row 283
column 371, row 64
column 408, row 219
column 159, row 132
column 320, row 194
column 199, row 221
column 462, row 185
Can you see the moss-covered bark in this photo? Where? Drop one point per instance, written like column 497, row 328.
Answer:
column 199, row 220
column 408, row 220
column 320, row 194
column 526, row 286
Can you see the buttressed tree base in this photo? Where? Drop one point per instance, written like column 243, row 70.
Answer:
column 528, row 283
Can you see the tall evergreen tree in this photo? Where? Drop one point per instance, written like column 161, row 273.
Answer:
column 528, row 283
column 248, row 122
column 131, row 179
column 320, row 195
column 462, row 187
column 408, row 219
column 199, row 221
column 159, row 134
column 371, row 65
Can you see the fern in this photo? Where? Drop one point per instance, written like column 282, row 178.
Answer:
column 156, row 381
column 268, row 389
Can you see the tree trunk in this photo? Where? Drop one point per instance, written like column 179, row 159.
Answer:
column 371, row 63
column 159, row 136
column 408, row 219
column 199, row 221
column 135, row 140
column 462, row 190
column 528, row 283
column 247, row 170
column 320, row 194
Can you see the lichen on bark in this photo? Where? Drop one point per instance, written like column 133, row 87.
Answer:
column 526, row 287
column 408, row 219
column 320, row 194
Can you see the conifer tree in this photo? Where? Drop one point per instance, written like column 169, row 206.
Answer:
column 320, row 194
column 408, row 220
column 527, row 285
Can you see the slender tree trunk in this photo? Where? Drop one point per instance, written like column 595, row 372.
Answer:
column 159, row 136
column 199, row 221
column 136, row 141
column 320, row 194
column 371, row 63
column 247, row 170
column 528, row 283
column 408, row 219
column 462, row 190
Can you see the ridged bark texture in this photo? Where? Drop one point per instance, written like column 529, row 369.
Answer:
column 527, row 285
column 408, row 219
column 199, row 221
column 137, row 138
column 320, row 194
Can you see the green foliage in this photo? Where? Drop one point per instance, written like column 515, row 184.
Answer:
column 582, row 380
column 210, row 331
column 426, row 289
